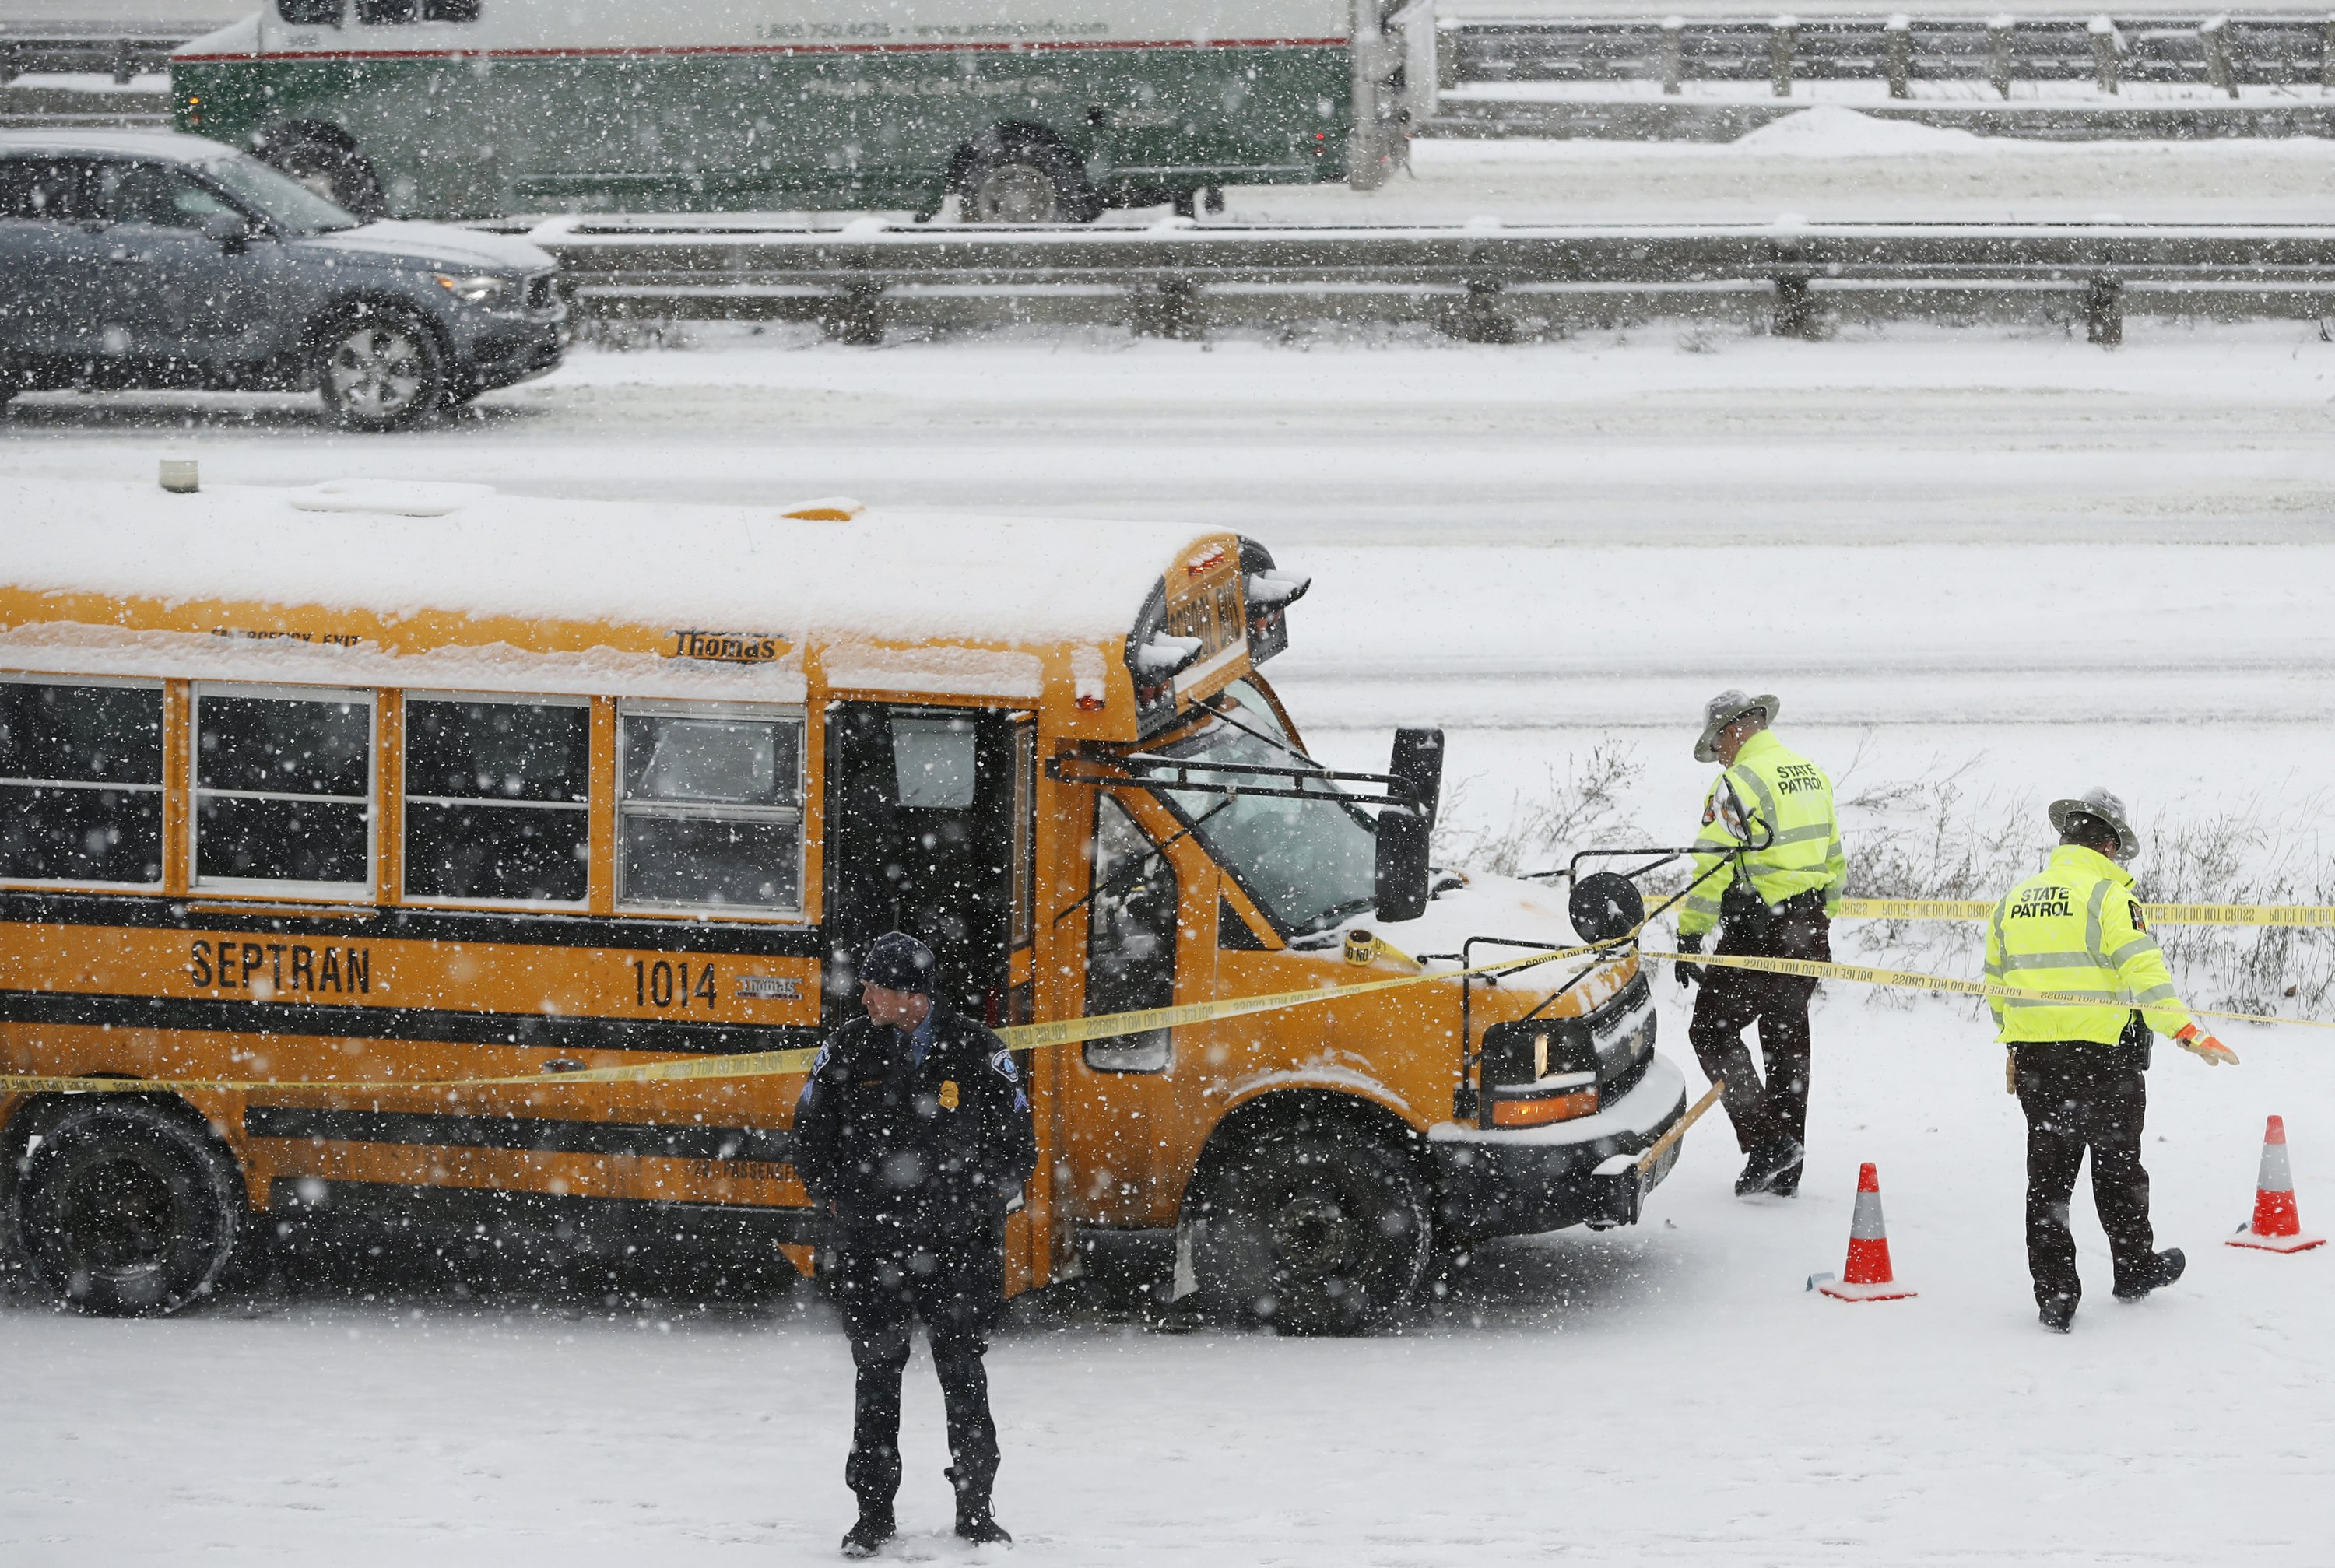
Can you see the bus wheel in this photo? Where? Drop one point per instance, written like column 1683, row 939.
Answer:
column 380, row 369
column 1024, row 179
column 1314, row 1230
column 128, row 1210
column 341, row 175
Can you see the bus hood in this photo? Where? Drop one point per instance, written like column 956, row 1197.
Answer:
column 435, row 244
column 1488, row 905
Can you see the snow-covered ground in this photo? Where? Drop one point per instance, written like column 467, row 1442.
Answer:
column 2041, row 563
column 1668, row 1394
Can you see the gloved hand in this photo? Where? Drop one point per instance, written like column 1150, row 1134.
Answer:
column 2196, row 1040
column 1689, row 974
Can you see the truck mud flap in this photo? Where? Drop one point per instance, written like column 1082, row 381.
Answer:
column 1619, row 1186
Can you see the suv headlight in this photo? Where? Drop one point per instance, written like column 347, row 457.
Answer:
column 478, row 288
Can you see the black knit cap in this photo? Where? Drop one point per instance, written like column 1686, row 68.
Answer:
column 898, row 962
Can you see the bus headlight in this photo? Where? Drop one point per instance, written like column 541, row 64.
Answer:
column 478, row 288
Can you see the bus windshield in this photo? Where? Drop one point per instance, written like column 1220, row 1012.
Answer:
column 1310, row 863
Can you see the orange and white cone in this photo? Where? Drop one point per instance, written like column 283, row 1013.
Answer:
column 2276, row 1227
column 1866, row 1276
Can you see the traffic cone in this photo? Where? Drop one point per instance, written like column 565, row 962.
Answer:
column 1866, row 1276
column 2276, row 1227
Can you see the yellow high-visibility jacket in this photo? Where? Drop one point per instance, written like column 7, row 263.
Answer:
column 1790, row 795
column 2075, row 927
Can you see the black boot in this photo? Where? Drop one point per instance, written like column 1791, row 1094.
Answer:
column 2165, row 1268
column 874, row 1527
column 2057, row 1312
column 1769, row 1164
column 974, row 1522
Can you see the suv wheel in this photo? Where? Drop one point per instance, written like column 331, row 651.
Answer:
column 127, row 1209
column 380, row 369
column 1316, row 1230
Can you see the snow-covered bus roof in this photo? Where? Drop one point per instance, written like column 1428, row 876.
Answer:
column 527, row 581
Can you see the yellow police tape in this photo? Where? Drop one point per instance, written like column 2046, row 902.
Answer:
column 2156, row 914
column 777, row 1063
column 1075, row 1030
column 1915, row 980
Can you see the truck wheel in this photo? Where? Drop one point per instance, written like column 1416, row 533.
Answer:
column 341, row 175
column 1025, row 179
column 128, row 1210
column 1317, row 1230
column 380, row 369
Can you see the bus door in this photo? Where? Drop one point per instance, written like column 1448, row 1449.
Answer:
column 929, row 829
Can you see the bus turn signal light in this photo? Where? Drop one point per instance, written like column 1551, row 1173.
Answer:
column 1545, row 1108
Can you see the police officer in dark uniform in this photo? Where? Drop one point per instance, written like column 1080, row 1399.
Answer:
column 915, row 1135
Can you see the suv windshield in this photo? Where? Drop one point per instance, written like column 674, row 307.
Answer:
column 281, row 200
column 1310, row 862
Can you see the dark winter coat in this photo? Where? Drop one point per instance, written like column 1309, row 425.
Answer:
column 909, row 1154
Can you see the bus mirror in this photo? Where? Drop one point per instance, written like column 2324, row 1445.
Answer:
column 1416, row 774
column 1417, row 769
column 1401, row 866
column 1163, row 655
column 1606, row 906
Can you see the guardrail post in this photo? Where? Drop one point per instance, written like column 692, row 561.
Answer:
column 2104, row 312
column 855, row 315
column 1796, row 308
column 1897, row 35
column 1998, row 54
column 1447, row 55
column 1673, row 54
column 1481, row 319
column 125, row 62
column 2327, row 57
column 2214, row 34
column 2104, row 53
column 1783, row 38
column 1168, row 309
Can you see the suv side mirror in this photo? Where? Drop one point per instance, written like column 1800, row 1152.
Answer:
column 1402, row 871
column 231, row 231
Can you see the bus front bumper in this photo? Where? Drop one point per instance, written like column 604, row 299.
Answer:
column 1518, row 1181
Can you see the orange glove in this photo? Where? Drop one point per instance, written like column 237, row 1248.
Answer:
column 2214, row 1053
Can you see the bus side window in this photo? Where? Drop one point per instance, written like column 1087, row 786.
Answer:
column 710, row 812
column 1130, row 940
column 389, row 13
column 494, row 800
column 81, row 782
column 283, row 789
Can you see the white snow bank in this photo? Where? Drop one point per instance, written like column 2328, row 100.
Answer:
column 1829, row 131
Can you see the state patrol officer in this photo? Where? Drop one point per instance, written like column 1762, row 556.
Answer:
column 914, row 1132
column 1794, row 875
column 2075, row 928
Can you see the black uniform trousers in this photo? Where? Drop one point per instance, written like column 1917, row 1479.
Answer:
column 1773, row 1112
column 956, row 1285
column 2081, row 1095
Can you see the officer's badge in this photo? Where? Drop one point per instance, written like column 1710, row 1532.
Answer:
column 948, row 1094
column 2139, row 921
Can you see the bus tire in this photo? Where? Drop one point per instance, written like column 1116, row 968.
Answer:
column 1313, row 1229
column 329, row 165
column 126, row 1208
column 1020, row 177
column 378, row 367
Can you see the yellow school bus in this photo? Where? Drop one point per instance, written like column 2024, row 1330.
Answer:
column 382, row 788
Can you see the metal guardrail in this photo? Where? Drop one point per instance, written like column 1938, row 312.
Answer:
column 1474, row 281
column 2224, row 52
column 116, row 49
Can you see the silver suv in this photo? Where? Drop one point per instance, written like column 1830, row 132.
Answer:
column 147, row 259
